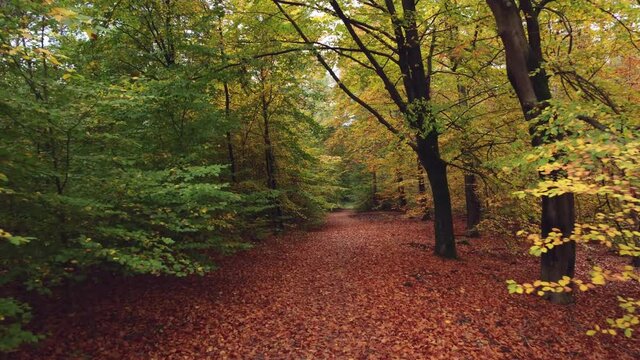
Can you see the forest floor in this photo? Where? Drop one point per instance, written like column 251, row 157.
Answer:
column 362, row 286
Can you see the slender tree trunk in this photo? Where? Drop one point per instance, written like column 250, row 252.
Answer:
column 472, row 200
column 417, row 83
column 232, row 158
column 402, row 197
column 474, row 205
column 635, row 261
column 374, row 189
column 530, row 82
column 227, row 103
column 270, row 164
column 227, row 112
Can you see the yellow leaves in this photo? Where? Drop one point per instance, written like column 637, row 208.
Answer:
column 540, row 287
column 624, row 323
column 4, row 234
column 47, row 55
column 597, row 276
column 61, row 14
column 564, row 281
column 542, row 246
column 531, row 157
column 14, row 51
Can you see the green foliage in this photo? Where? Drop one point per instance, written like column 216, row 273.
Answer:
column 114, row 138
column 13, row 316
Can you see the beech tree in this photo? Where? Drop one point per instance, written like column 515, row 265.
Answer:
column 527, row 75
column 401, row 39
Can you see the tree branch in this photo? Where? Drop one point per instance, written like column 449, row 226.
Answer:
column 391, row 89
column 340, row 84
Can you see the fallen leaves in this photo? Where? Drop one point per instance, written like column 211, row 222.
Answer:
column 339, row 293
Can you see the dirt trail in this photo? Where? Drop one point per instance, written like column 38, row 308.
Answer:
column 363, row 286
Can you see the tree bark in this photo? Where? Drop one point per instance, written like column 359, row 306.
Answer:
column 443, row 218
column 558, row 212
column 418, row 86
column 227, row 112
column 374, row 189
column 270, row 163
column 472, row 200
column 531, row 84
column 422, row 194
column 474, row 207
column 402, row 197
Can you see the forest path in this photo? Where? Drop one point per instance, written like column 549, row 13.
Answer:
column 362, row 286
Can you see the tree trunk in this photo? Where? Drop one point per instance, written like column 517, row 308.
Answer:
column 402, row 197
column 417, row 110
column 443, row 218
column 558, row 212
column 227, row 112
column 232, row 158
column 635, row 261
column 374, row 189
column 417, row 83
column 530, row 82
column 270, row 164
column 474, row 207
column 422, row 194
column 472, row 200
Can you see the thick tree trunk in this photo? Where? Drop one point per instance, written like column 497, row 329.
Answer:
column 558, row 212
column 474, row 207
column 530, row 82
column 417, row 82
column 443, row 218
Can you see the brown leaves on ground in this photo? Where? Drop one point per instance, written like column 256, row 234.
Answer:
column 364, row 286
